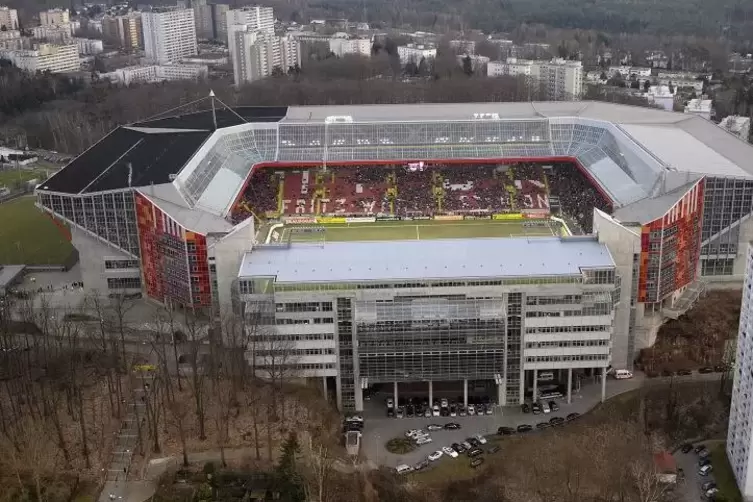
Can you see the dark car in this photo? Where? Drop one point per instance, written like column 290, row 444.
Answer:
column 704, row 461
column 475, row 442
column 543, row 425
column 554, row 406
column 684, row 372
column 390, row 412
column 452, row 426
column 698, row 449
column 686, row 447
column 421, row 465
column 493, row 449
column 573, row 416
column 706, row 369
column 505, row 431
column 708, row 485
column 458, row 447
column 704, row 453
column 720, row 368
column 410, row 411
column 524, row 428
column 525, row 408
column 476, row 462
column 535, row 408
column 475, row 452
column 666, row 373
column 556, row 420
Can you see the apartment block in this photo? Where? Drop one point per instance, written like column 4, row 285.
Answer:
column 169, row 35
column 54, row 17
column 8, row 18
column 413, row 53
column 156, row 73
column 343, row 45
column 45, row 57
column 126, row 30
column 558, row 79
column 257, row 53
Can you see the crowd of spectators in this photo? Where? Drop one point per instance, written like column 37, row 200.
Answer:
column 425, row 190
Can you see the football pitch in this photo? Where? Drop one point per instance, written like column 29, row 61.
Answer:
column 421, row 229
column 27, row 236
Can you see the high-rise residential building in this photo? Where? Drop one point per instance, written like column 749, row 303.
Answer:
column 256, row 53
column 54, row 17
column 219, row 21
column 413, row 53
column 126, row 30
column 202, row 13
column 254, row 18
column 740, row 430
column 169, row 34
column 45, row 57
column 343, row 45
column 557, row 80
column 56, row 32
column 8, row 18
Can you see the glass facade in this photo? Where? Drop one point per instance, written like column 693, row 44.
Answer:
column 727, row 201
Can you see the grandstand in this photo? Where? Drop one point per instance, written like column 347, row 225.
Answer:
column 657, row 203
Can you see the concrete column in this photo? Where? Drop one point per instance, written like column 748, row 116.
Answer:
column 431, row 393
column 339, row 393
column 569, row 385
column 394, row 392
column 603, row 384
column 359, row 398
column 535, row 385
column 324, row 387
column 501, row 395
column 465, row 392
column 522, row 391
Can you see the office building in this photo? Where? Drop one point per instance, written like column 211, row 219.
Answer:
column 555, row 80
column 45, row 57
column 8, row 18
column 341, row 44
column 169, row 35
column 54, row 17
column 126, row 31
column 414, row 53
column 255, row 54
column 740, row 430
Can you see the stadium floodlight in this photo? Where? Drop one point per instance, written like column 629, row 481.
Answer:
column 338, row 119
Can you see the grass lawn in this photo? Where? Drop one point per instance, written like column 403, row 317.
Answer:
column 30, row 237
column 446, row 468
column 723, row 475
column 424, row 229
column 10, row 176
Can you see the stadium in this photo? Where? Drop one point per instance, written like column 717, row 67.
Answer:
column 390, row 244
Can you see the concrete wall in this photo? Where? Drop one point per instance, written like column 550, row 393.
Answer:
column 228, row 253
column 92, row 255
column 623, row 244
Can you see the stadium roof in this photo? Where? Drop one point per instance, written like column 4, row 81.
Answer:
column 425, row 259
column 648, row 210
column 632, row 153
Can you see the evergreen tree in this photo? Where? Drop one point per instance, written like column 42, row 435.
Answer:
column 468, row 65
column 289, row 483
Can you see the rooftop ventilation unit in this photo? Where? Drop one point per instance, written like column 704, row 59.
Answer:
column 338, row 119
column 486, row 116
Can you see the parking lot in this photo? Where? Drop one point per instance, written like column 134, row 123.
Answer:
column 379, row 428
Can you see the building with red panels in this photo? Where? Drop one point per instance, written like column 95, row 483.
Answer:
column 167, row 207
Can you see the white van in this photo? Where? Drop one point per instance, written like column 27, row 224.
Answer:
column 403, row 469
column 622, row 374
column 545, row 376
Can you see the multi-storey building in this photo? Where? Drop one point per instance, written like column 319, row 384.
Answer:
column 363, row 313
column 737, row 125
column 54, row 17
column 8, row 18
column 513, row 67
column 89, row 46
column 45, row 57
column 740, row 430
column 413, row 53
column 701, row 107
column 219, row 21
column 56, row 32
column 169, row 35
column 257, row 53
column 342, row 44
column 557, row 80
column 253, row 18
column 126, row 30
column 156, row 73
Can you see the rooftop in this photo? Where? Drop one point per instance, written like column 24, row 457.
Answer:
column 426, row 259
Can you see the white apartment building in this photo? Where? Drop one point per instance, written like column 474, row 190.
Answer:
column 126, row 30
column 56, row 32
column 629, row 71
column 156, row 73
column 8, row 18
column 559, row 79
column 660, row 95
column 477, row 62
column 700, row 107
column 737, row 125
column 43, row 57
column 463, row 46
column 341, row 44
column 740, row 431
column 253, row 18
column 256, row 54
column 169, row 35
column 54, row 17
column 89, row 46
column 413, row 53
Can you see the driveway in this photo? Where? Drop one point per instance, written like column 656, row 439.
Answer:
column 378, row 429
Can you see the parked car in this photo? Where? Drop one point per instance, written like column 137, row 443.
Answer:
column 706, row 369
column 475, row 452
column 435, row 410
column 711, row 493
column 354, row 418
column 471, row 409
column 686, row 447
column 423, row 440
column 720, row 368
column 554, row 406
column 573, row 416
column 452, row 426
column 708, row 485
column 524, row 428
column 535, row 408
column 684, row 372
column 488, row 408
column 505, row 431
column 400, row 469
column 427, row 413
column 493, row 449
column 434, row 427
column 473, row 441
column 704, row 461
column 390, row 412
column 453, row 410
column 410, row 411
column 462, row 411
column 698, row 449
column 545, row 407
column 411, row 433
column 400, row 412
column 449, row 451
column 421, row 465
column 525, row 408
column 444, row 403
column 476, row 462
column 468, row 446
column 481, row 439
column 543, row 425
column 705, row 470
column 435, row 456
column 704, row 453
column 666, row 373
column 458, row 447
column 556, row 420
column 390, row 404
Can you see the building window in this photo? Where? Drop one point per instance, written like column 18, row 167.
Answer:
column 124, row 283
column 120, row 264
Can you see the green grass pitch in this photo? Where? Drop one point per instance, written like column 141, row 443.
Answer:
column 422, row 229
column 27, row 236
